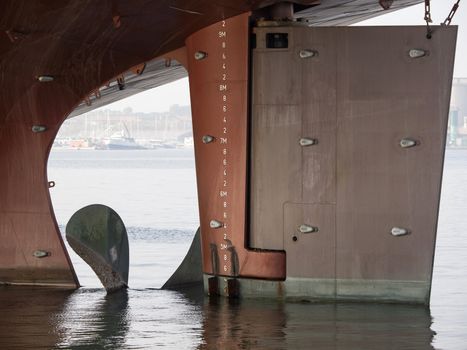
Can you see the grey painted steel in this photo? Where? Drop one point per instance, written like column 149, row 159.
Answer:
column 318, row 289
column 280, row 130
column 311, row 255
column 360, row 97
column 97, row 234
column 190, row 271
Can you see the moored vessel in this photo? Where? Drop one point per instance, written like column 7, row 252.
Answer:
column 319, row 150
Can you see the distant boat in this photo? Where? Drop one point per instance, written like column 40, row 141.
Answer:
column 120, row 140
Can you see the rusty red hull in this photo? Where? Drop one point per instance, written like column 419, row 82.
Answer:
column 83, row 46
column 219, row 92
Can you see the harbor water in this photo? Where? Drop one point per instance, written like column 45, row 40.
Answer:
column 154, row 191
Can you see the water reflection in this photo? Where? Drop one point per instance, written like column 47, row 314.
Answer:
column 359, row 326
column 261, row 324
column 88, row 322
column 146, row 318
column 25, row 317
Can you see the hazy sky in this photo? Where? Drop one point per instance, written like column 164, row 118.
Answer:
column 160, row 99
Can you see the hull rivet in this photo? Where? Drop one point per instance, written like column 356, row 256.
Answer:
column 408, row 143
column 40, row 254
column 305, row 142
column 215, row 224
column 399, row 231
column 417, row 53
column 208, row 139
column 38, row 128
column 45, row 78
column 307, row 229
column 308, row 53
column 200, row 55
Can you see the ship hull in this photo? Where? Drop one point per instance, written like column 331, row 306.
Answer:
column 319, row 151
column 322, row 176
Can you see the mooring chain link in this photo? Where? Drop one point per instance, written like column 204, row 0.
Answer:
column 428, row 12
column 448, row 19
column 446, row 22
column 427, row 18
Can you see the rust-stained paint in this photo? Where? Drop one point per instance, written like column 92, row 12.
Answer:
column 213, row 286
column 233, row 288
column 27, row 221
column 386, row 4
column 76, row 43
column 219, row 96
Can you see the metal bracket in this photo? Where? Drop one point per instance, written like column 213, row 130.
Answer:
column 38, row 128
column 399, row 231
column 40, row 254
column 418, row 53
column 213, row 286
column 307, row 53
column 200, row 55
column 386, row 4
column 408, row 143
column 139, row 69
column 307, row 228
column 208, row 139
column 121, row 82
column 45, row 78
column 215, row 224
column 305, row 142
column 233, row 288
